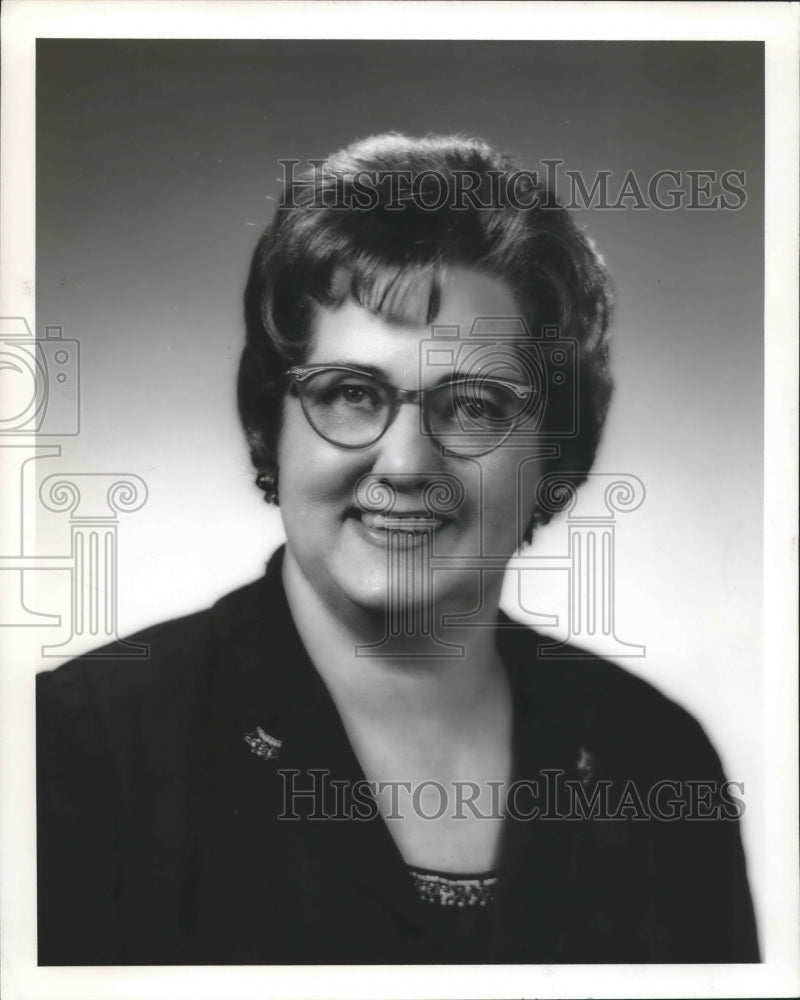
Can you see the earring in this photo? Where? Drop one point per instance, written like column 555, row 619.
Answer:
column 267, row 482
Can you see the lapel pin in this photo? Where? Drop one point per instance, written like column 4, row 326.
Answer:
column 262, row 744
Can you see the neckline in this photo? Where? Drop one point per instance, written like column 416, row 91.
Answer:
column 454, row 876
column 452, row 891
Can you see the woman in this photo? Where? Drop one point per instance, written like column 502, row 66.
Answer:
column 359, row 758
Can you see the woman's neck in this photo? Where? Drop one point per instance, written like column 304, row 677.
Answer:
column 367, row 670
column 416, row 723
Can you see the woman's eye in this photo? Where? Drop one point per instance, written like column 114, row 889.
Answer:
column 359, row 395
column 477, row 405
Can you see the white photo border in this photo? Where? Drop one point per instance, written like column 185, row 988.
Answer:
column 776, row 24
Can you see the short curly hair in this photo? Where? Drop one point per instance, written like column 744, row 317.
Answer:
column 389, row 212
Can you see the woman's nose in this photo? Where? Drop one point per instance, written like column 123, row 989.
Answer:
column 406, row 449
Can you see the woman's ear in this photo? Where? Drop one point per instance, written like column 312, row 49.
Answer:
column 267, row 482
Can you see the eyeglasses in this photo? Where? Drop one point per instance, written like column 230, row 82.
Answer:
column 352, row 409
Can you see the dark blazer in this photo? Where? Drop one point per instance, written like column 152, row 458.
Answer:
column 162, row 783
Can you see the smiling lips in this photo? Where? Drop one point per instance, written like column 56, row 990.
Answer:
column 413, row 521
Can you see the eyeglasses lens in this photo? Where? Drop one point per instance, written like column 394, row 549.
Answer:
column 347, row 409
column 472, row 416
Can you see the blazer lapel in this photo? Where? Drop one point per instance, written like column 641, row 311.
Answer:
column 282, row 737
column 535, row 898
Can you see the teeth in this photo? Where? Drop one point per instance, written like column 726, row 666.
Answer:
column 399, row 522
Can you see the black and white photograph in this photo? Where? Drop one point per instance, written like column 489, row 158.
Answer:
column 399, row 419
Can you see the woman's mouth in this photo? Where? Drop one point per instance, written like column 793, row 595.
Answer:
column 412, row 521
column 413, row 526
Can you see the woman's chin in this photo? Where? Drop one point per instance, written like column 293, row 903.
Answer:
column 402, row 603
column 377, row 597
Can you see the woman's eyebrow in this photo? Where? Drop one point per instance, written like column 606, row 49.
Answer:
column 380, row 373
column 355, row 366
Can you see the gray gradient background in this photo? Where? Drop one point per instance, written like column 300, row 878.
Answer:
column 157, row 168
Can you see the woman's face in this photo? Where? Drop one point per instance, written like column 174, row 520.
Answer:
column 333, row 534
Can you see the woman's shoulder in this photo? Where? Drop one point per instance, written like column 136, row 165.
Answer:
column 170, row 659
column 609, row 707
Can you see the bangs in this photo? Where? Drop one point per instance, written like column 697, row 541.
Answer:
column 409, row 294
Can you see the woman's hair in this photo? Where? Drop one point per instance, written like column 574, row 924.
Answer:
column 378, row 221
